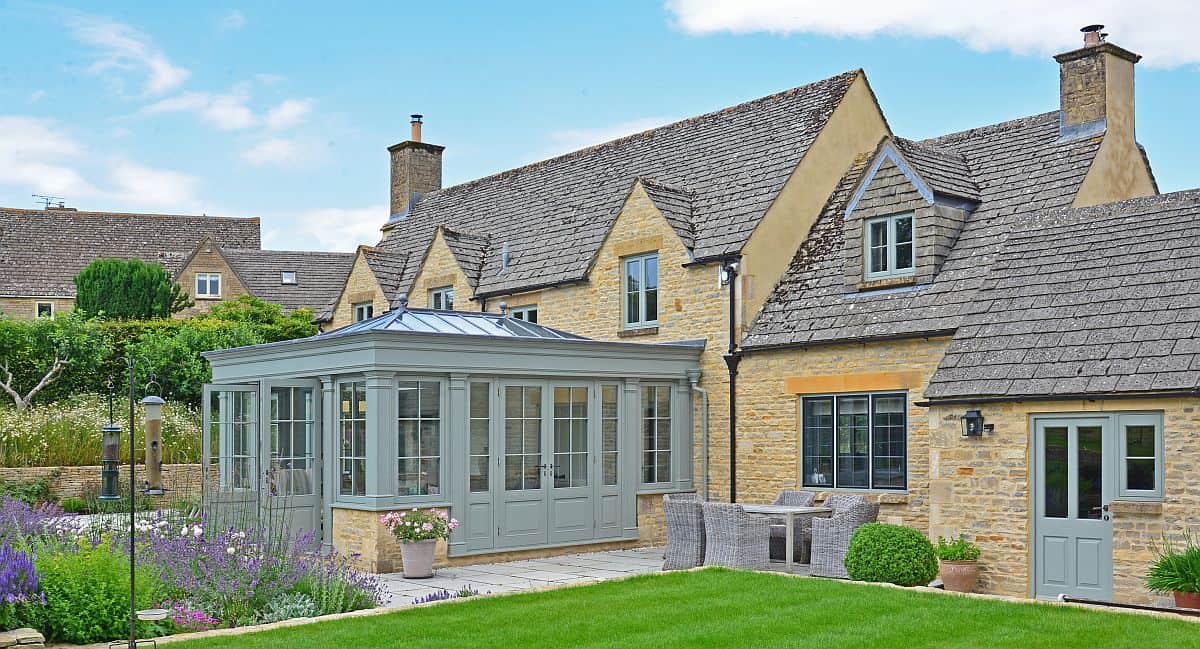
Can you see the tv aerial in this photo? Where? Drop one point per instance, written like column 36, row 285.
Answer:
column 47, row 201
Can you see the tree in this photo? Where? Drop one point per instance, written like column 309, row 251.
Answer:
column 128, row 288
column 36, row 353
column 267, row 319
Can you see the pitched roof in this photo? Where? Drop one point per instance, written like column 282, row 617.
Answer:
column 452, row 323
column 1021, row 167
column 675, row 203
column 555, row 214
column 1094, row 301
column 945, row 170
column 41, row 251
column 319, row 275
column 469, row 251
column 388, row 269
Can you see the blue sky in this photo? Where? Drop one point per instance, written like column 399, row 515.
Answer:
column 285, row 110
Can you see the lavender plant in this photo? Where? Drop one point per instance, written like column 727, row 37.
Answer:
column 21, row 596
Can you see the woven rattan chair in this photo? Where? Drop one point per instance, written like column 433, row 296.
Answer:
column 685, row 532
column 735, row 539
column 802, row 535
column 831, row 536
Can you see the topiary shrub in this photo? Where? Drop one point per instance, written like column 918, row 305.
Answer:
column 892, row 554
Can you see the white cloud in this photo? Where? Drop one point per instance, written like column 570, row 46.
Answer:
column 40, row 156
column 288, row 113
column 331, row 228
column 1164, row 32
column 571, row 139
column 233, row 20
column 36, row 96
column 273, row 151
column 226, row 111
column 122, row 48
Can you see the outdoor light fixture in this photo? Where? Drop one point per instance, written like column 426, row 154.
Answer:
column 110, row 462
column 154, row 448
column 972, row 424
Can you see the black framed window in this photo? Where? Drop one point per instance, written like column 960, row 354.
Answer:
column 855, row 441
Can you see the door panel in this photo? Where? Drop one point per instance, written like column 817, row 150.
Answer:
column 292, row 456
column 229, row 450
column 572, row 516
column 522, row 511
column 1074, row 483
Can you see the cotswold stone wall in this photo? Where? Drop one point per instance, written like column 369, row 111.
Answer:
column 769, row 414
column 25, row 308
column 361, row 286
column 441, row 269
column 981, row 487
column 208, row 260
column 181, row 480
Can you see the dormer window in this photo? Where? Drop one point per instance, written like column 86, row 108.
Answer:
column 889, row 246
column 442, row 298
column 287, row 277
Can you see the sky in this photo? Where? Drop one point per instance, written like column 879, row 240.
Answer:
column 285, row 110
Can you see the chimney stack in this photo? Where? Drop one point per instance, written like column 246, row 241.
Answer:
column 1096, row 87
column 416, row 170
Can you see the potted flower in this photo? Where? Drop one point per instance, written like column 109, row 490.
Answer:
column 1177, row 572
column 958, row 565
column 418, row 532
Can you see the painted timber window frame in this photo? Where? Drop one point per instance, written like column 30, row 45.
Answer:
column 363, row 311
column 610, row 433
column 528, row 313
column 352, row 438
column 442, row 298
column 855, row 441
column 657, row 423
column 885, row 254
column 208, row 285
column 43, row 310
column 419, row 438
column 479, row 432
column 1140, row 454
column 639, row 288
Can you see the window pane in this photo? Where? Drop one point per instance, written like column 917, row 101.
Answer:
column 656, row 433
column 633, row 289
column 903, row 230
column 853, row 434
column 878, row 260
column 818, row 442
column 1139, row 441
column 1091, row 472
column 408, row 405
column 1139, row 474
column 448, row 300
column 214, row 284
column 904, row 256
column 479, row 400
column 201, row 285
column 608, row 432
column 888, row 443
column 1054, row 485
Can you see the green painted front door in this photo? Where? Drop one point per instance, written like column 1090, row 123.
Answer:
column 1073, row 485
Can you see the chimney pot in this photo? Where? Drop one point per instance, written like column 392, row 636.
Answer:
column 416, row 128
column 1092, row 35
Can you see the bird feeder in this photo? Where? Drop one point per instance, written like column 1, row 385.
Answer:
column 110, row 461
column 154, row 445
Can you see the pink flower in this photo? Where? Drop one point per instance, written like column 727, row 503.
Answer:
column 427, row 527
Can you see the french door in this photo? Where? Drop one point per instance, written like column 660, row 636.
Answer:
column 291, row 454
column 1073, row 485
column 546, row 460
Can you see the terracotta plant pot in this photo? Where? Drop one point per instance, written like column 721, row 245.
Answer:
column 418, row 558
column 1187, row 600
column 959, row 576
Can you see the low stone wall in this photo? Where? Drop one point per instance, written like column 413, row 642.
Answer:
column 180, row 480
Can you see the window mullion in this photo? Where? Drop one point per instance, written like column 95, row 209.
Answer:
column 870, row 441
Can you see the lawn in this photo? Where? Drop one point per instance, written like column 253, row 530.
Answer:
column 720, row 608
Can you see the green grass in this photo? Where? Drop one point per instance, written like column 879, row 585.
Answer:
column 720, row 608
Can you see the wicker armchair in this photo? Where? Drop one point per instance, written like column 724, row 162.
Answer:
column 685, row 533
column 831, row 536
column 735, row 539
column 802, row 534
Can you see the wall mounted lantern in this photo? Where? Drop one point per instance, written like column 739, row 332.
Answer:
column 972, row 424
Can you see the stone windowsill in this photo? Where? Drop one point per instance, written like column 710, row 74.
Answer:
column 1137, row 507
column 890, row 282
column 640, row 331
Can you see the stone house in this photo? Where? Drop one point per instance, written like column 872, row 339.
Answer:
column 213, row 259
column 865, row 289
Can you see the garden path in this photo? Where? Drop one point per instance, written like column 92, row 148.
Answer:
column 512, row 576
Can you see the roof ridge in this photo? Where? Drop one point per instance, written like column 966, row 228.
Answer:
column 988, row 128
column 295, row 252
column 1097, row 215
column 753, row 103
column 74, row 212
column 679, row 189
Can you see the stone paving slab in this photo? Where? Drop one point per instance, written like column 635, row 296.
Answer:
column 526, row 574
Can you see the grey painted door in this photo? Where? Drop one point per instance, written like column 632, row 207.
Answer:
column 572, row 517
column 1073, row 485
column 522, row 511
column 229, row 452
column 291, row 454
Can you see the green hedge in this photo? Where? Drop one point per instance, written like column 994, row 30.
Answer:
column 892, row 554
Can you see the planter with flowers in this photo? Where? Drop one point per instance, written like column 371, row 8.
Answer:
column 418, row 531
column 1177, row 571
column 958, row 564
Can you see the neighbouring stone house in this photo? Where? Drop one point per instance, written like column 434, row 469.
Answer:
column 213, row 258
column 869, row 285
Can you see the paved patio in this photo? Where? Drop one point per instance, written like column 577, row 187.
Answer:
column 514, row 576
